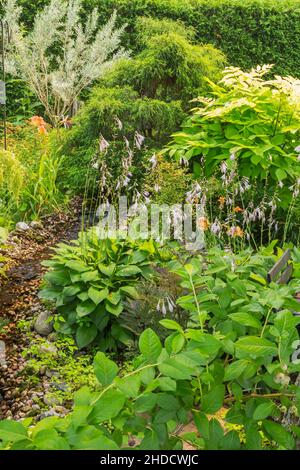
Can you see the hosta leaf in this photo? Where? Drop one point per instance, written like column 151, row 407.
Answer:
column 77, row 266
column 70, row 291
column 114, row 309
column 130, row 291
column 114, row 297
column 58, row 278
column 107, row 270
column 129, row 271
column 85, row 308
column 90, row 276
column 97, row 295
column 85, row 335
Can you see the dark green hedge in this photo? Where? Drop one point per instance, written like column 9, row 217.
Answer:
column 250, row 32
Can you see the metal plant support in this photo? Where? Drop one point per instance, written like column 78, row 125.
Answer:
column 5, row 39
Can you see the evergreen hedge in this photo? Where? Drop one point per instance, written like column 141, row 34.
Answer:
column 249, row 32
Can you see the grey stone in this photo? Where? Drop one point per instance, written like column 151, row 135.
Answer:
column 63, row 387
column 42, row 325
column 48, row 348
column 22, row 227
column 36, row 225
column 51, row 400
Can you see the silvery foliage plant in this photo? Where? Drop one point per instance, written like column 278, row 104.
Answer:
column 60, row 56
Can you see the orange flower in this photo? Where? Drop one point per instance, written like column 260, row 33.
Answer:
column 37, row 121
column 222, row 200
column 237, row 209
column 236, row 232
column 203, row 223
column 42, row 130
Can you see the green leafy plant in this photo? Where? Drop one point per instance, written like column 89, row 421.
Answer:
column 246, row 135
column 234, row 359
column 89, row 282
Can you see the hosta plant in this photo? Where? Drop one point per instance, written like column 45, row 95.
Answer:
column 89, row 282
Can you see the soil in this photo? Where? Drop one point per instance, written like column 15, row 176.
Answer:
column 19, row 301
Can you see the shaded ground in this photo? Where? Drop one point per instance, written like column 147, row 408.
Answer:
column 19, row 301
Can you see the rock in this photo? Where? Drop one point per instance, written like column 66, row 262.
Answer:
column 22, row 227
column 43, row 326
column 63, row 387
column 47, row 414
column 51, row 400
column 42, row 370
column 48, row 348
column 36, row 225
column 51, row 373
column 53, row 337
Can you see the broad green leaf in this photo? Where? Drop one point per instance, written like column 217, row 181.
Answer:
column 171, row 325
column 128, row 271
column 90, row 276
column 114, row 297
column 237, row 368
column 107, row 270
column 245, row 319
column 114, row 309
column 213, row 400
column 77, row 266
column 254, row 346
column 175, row 369
column 58, row 277
column 279, row 434
column 145, row 403
column 150, row 345
column 105, row 369
column 85, row 308
column 85, row 335
column 70, row 291
column 107, row 407
column 129, row 385
column 97, row 295
column 12, row 431
column 264, row 410
column 49, row 439
column 130, row 291
column 91, row 438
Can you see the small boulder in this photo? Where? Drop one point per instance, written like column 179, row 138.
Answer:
column 36, row 225
column 42, row 324
column 48, row 348
column 22, row 227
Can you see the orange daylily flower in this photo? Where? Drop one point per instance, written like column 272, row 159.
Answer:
column 37, row 121
column 203, row 223
column 42, row 130
column 236, row 232
column 222, row 200
column 238, row 209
